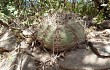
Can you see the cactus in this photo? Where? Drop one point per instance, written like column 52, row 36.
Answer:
column 60, row 31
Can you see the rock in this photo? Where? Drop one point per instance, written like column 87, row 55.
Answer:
column 104, row 25
column 28, row 31
column 82, row 59
column 16, row 61
column 24, row 45
column 7, row 41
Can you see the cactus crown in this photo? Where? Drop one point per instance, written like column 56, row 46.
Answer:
column 60, row 31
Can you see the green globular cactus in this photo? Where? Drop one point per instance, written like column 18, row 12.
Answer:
column 60, row 31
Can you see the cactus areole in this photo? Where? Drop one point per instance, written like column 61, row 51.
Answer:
column 60, row 31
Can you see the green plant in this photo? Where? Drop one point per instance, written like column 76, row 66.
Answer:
column 85, row 8
column 60, row 31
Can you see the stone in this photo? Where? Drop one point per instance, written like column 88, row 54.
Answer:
column 7, row 40
column 82, row 59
